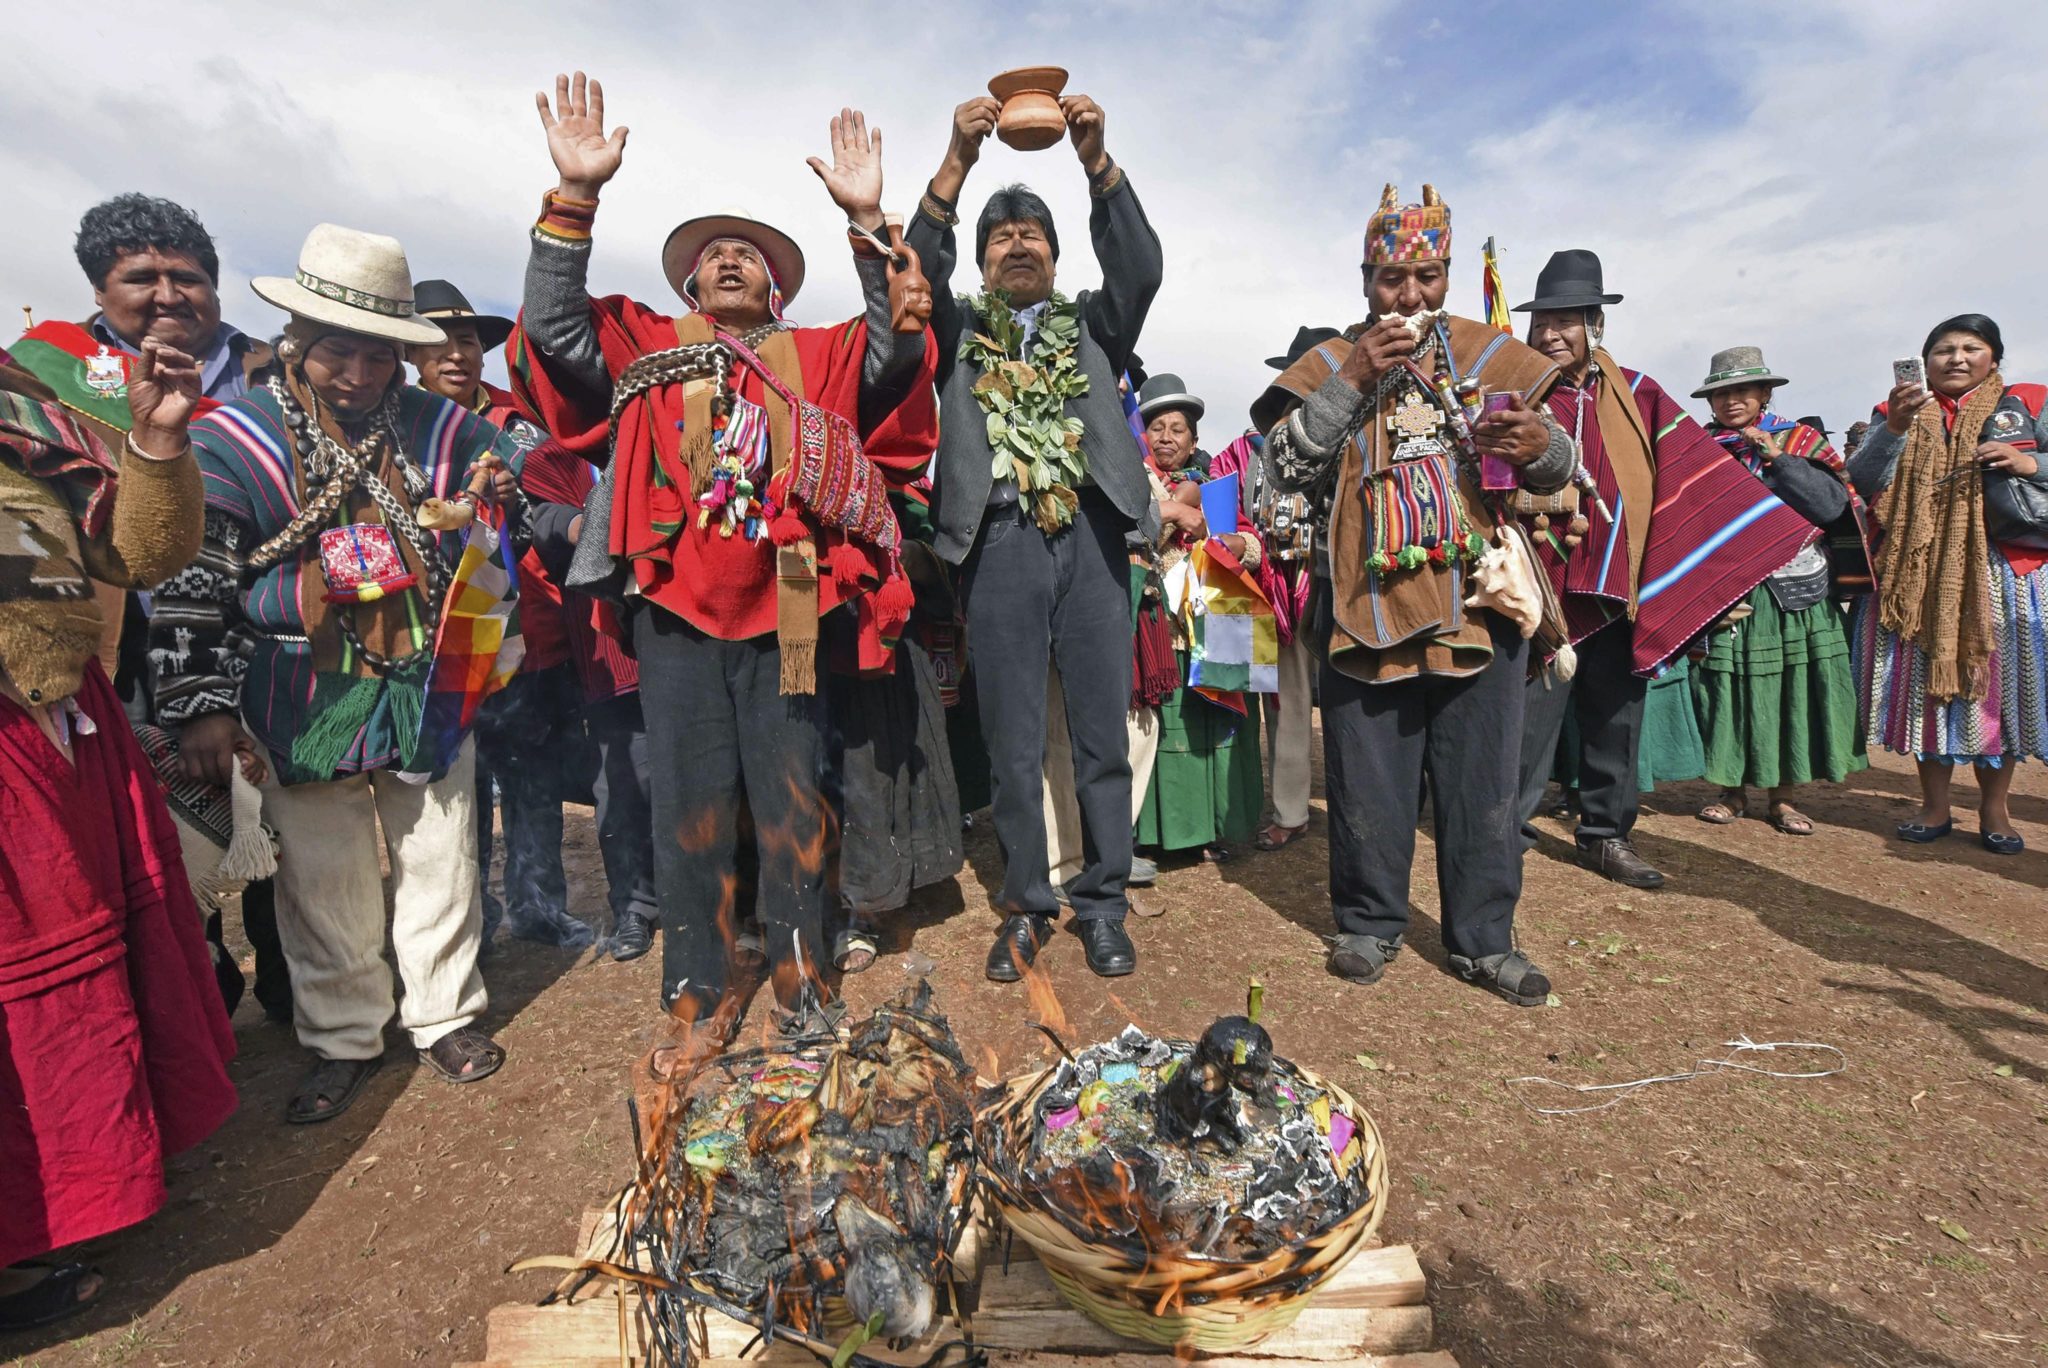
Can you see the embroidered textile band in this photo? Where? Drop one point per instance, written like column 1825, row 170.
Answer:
column 354, row 298
column 565, row 218
column 1414, row 232
column 1104, row 185
column 939, row 211
column 1719, row 376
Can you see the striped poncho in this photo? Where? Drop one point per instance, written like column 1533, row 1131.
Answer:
column 1712, row 531
column 221, row 644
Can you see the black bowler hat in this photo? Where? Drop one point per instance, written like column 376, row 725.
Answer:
column 1569, row 280
column 442, row 302
column 1305, row 339
column 1814, row 421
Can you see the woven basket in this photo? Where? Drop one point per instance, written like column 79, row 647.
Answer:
column 1208, row 1304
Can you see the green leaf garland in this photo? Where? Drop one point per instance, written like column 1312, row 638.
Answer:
column 1031, row 437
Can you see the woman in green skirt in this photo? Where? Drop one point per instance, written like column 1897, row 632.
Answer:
column 1776, row 694
column 1208, row 787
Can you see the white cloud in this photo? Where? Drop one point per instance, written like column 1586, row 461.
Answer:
column 1859, row 171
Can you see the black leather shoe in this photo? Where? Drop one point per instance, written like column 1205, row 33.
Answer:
column 632, row 937
column 1110, row 952
column 1614, row 858
column 1017, row 945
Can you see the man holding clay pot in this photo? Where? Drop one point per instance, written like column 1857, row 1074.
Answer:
column 1038, row 482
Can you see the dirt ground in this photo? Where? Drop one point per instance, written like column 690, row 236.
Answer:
column 1895, row 1215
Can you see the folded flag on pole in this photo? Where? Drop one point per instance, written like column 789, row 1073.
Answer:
column 477, row 648
column 1493, row 293
column 1233, row 637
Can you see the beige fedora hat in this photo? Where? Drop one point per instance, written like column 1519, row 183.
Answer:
column 687, row 243
column 355, row 281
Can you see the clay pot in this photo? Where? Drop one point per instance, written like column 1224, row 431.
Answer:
column 1031, row 118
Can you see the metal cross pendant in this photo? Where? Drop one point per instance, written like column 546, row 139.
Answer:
column 1418, row 425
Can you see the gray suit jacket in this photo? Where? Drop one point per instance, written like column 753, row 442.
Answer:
column 1111, row 318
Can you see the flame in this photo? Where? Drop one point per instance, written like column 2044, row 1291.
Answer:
column 1128, row 1014
column 1045, row 1003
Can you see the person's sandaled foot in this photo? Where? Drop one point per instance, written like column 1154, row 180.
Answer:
column 47, row 1293
column 1729, row 807
column 1277, row 837
column 854, row 951
column 464, row 1055
column 1791, row 820
column 1512, row 976
column 328, row 1090
column 1217, row 853
column 1360, row 959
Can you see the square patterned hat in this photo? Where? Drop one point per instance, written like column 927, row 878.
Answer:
column 1414, row 232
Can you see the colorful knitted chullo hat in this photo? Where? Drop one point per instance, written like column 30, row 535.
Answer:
column 1414, row 232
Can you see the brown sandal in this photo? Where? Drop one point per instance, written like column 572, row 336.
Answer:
column 1721, row 812
column 1277, row 837
column 335, row 1081
column 1791, row 820
column 464, row 1055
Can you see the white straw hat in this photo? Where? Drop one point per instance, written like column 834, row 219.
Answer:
column 355, row 281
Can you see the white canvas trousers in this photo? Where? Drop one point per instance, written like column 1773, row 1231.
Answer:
column 330, row 905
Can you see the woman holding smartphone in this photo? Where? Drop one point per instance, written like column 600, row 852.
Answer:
column 1952, row 649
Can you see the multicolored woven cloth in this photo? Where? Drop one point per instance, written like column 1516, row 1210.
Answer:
column 477, row 648
column 1233, row 638
column 1715, row 532
column 1414, row 232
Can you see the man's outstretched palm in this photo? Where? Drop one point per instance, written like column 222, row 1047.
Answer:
column 584, row 156
column 854, row 180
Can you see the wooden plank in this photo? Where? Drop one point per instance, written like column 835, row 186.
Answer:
column 1432, row 1359
column 560, row 1333
column 1388, row 1276
column 1332, row 1336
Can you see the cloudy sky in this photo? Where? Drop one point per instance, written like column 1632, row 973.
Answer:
column 1826, row 179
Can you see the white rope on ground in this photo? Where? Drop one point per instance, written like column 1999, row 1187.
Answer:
column 1622, row 1091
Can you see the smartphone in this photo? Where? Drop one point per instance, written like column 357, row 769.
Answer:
column 1910, row 369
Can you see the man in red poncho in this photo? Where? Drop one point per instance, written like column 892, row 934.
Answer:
column 740, row 509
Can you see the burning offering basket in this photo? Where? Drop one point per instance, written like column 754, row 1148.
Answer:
column 1172, row 1189
column 815, row 1187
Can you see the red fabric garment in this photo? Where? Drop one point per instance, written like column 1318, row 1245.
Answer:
column 724, row 586
column 553, row 474
column 113, row 1041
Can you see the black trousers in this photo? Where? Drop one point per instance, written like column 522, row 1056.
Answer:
column 719, row 729
column 522, row 732
column 1379, row 742
column 625, row 805
column 1607, row 698
column 1031, row 599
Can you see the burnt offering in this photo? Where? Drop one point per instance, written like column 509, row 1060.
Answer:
column 1215, row 1149
column 818, row 1185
